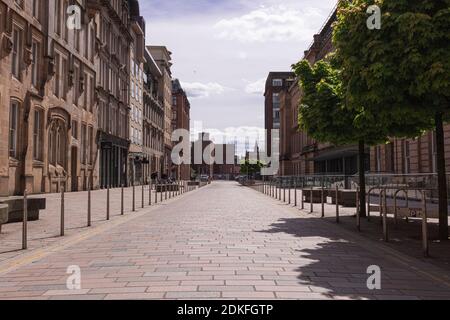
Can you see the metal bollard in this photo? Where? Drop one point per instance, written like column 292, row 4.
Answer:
column 156, row 193
column 284, row 193
column 166, row 189
column 62, row 212
column 161, row 192
column 384, row 210
column 289, row 190
column 295, row 194
column 121, row 200
column 337, row 203
column 303, row 197
column 358, row 211
column 89, row 219
column 424, row 225
column 311, row 199
column 107, row 202
column 322, row 198
column 279, row 192
column 133, row 205
column 150, row 192
column 25, row 221
column 143, row 197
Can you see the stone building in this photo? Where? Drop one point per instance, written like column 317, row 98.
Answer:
column 153, row 124
column 112, row 63
column 47, row 97
column 180, row 120
column 163, row 58
column 136, row 155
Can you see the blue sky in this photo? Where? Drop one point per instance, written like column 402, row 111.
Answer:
column 224, row 49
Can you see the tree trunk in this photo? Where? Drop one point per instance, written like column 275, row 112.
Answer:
column 362, row 178
column 442, row 178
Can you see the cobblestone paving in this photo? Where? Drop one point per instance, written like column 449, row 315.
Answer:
column 220, row 242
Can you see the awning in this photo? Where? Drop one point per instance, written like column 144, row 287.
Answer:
column 334, row 153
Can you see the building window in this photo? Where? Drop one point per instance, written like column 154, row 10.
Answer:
column 57, row 17
column 13, row 125
column 406, row 157
column 35, row 64
column 16, row 52
column 90, row 145
column 277, row 82
column 56, row 80
column 83, row 144
column 38, row 134
column 36, row 9
column 64, row 15
column 57, row 143
column 74, row 129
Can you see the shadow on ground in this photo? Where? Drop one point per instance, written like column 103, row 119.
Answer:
column 336, row 265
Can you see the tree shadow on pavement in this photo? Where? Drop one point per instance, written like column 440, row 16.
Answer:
column 331, row 263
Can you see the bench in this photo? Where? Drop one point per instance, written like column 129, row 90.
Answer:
column 316, row 195
column 15, row 208
column 167, row 187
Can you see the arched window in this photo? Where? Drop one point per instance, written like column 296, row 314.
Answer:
column 57, row 143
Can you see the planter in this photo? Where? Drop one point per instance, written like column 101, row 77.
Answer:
column 15, row 208
column 3, row 213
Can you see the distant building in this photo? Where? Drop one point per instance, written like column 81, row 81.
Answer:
column 153, row 124
column 163, row 58
column 112, row 86
column 275, row 83
column 137, row 49
column 226, row 162
column 180, row 120
column 198, row 164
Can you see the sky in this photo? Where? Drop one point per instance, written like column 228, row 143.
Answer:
column 223, row 50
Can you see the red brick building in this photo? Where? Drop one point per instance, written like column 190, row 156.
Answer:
column 226, row 163
column 275, row 83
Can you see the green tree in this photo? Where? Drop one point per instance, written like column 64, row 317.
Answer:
column 251, row 168
column 401, row 72
column 326, row 117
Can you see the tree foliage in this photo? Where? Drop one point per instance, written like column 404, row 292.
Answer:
column 251, row 167
column 324, row 113
column 400, row 73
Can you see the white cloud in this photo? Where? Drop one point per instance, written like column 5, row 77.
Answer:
column 257, row 87
column 273, row 23
column 202, row 90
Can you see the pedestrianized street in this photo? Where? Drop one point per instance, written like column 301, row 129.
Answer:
column 222, row 241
